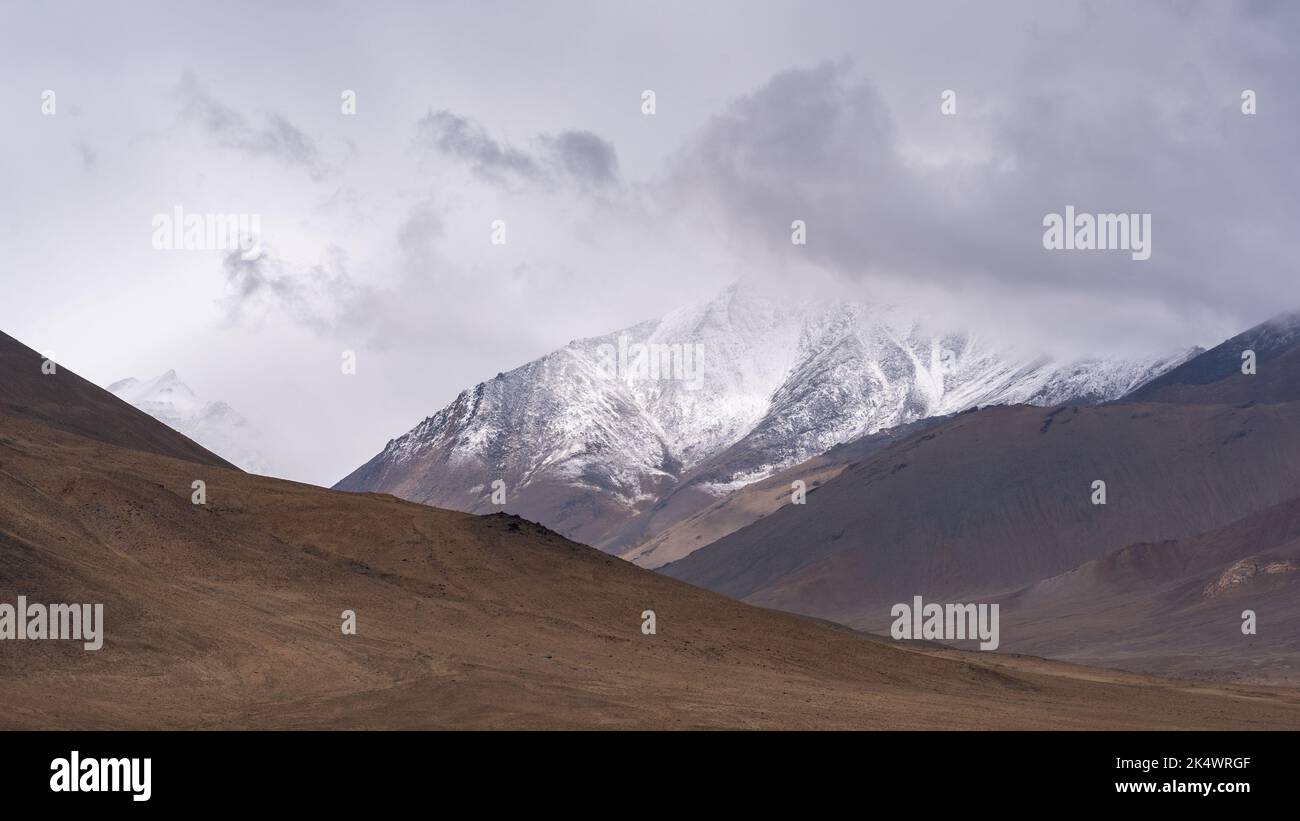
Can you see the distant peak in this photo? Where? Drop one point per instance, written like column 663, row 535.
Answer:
column 169, row 380
column 165, row 388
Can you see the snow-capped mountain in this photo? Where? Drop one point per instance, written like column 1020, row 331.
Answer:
column 722, row 393
column 214, row 425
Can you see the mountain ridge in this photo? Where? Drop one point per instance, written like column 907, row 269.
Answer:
column 226, row 615
column 1004, row 499
column 785, row 381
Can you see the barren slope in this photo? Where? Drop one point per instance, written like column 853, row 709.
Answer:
column 1175, row 607
column 68, row 402
column 228, row 616
column 997, row 499
column 687, row 518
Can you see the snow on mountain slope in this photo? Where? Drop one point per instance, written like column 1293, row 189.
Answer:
column 725, row 392
column 1220, row 376
column 214, row 425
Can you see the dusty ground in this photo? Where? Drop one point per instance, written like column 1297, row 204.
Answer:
column 228, row 615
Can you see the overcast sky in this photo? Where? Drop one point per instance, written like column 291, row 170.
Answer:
column 376, row 227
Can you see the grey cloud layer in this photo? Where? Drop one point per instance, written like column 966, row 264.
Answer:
column 819, row 146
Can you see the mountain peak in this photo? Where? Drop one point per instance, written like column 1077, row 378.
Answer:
column 215, row 425
column 781, row 378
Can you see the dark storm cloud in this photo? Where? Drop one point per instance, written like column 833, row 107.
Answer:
column 275, row 137
column 579, row 157
column 808, row 145
column 1103, row 131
